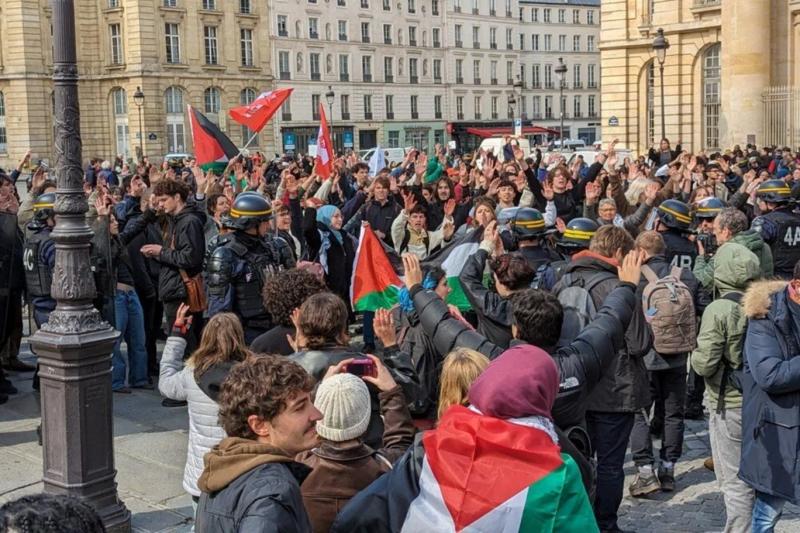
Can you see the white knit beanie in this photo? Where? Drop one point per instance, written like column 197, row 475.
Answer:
column 343, row 400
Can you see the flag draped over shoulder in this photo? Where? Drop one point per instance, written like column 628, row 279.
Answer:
column 256, row 114
column 486, row 474
column 323, row 163
column 212, row 148
column 375, row 283
column 451, row 259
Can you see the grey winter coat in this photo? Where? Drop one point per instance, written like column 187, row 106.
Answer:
column 177, row 381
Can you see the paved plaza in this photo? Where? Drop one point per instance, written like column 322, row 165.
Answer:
column 150, row 447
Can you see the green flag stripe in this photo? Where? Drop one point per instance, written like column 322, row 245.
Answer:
column 385, row 299
column 457, row 296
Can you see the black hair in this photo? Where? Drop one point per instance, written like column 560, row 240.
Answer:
column 56, row 513
column 513, row 271
column 538, row 316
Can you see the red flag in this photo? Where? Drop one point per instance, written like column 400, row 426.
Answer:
column 256, row 115
column 323, row 163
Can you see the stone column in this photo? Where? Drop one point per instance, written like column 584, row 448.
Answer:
column 745, row 70
column 74, row 346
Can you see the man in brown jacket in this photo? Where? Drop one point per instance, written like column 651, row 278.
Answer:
column 342, row 464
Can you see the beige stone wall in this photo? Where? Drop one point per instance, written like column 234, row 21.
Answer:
column 758, row 49
column 26, row 68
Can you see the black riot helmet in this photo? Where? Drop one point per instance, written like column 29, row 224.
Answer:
column 774, row 192
column 44, row 207
column 674, row 214
column 250, row 209
column 527, row 223
column 578, row 233
column 709, row 208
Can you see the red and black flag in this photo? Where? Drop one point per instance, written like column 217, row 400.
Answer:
column 212, row 148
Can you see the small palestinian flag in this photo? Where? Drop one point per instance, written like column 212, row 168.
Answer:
column 212, row 148
column 484, row 474
column 375, row 283
column 451, row 259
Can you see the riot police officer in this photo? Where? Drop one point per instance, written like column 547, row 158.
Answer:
column 577, row 234
column 673, row 222
column 238, row 267
column 39, row 257
column 528, row 229
column 779, row 225
column 704, row 215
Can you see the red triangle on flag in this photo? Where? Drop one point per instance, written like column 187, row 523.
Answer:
column 480, row 462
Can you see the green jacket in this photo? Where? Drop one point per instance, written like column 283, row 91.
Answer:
column 723, row 323
column 750, row 239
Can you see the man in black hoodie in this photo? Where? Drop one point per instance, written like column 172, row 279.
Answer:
column 251, row 482
column 183, row 250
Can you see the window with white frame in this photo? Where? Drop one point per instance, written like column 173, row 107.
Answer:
column 460, row 107
column 115, row 35
column 590, row 105
column 388, row 69
column 209, row 5
column 711, row 97
column 576, row 75
column 535, row 14
column 210, row 41
column 244, row 7
column 493, row 107
column 576, row 16
column 590, row 17
column 546, row 14
column 536, row 81
column 342, row 30
column 283, row 26
column 113, row 3
column 548, row 76
column 283, row 65
column 344, row 67
column 313, row 28
column 173, row 42
column 537, row 107
column 389, row 106
column 548, row 42
column 368, row 106
column 535, row 42
column 366, row 68
column 414, row 106
column 173, row 99
column 590, row 43
column 212, row 103
column 477, row 107
column 119, row 103
column 562, row 43
column 437, row 106
column 246, row 44
column 576, row 106
column 170, row 3
column 562, row 16
column 590, row 76
column 576, row 43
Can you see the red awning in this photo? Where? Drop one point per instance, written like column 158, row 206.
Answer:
column 526, row 130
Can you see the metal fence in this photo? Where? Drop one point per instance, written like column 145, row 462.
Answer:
column 782, row 116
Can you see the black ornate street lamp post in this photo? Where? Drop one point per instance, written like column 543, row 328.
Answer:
column 74, row 346
column 561, row 71
column 138, row 99
column 660, row 45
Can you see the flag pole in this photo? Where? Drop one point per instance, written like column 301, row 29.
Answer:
column 250, row 140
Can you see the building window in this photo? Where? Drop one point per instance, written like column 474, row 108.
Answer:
column 459, row 71
column 388, row 71
column 650, row 95
column 535, row 42
column 387, row 5
column 590, row 75
column 342, row 30
column 413, row 72
column 477, row 103
column 412, row 6
column 209, row 5
column 437, row 42
column 113, row 3
column 536, row 81
column 313, row 28
column 283, row 26
column 493, row 109
column 590, row 17
column 493, row 72
column 414, row 106
column 576, row 43
column 246, row 39
column 493, row 38
column 509, row 72
column 244, row 7
column 365, row 32
column 315, row 107
column 367, row 107
column 116, row 43
column 711, row 97
column 283, row 66
column 412, row 36
column 170, row 3
column 394, row 139
column 576, row 16
column 460, row 107
column 175, row 134
column 246, row 97
column 590, row 43
column 576, row 76
column 210, row 40
column 344, row 106
column 344, row 68
column 562, row 16
column 212, row 101
column 389, row 106
column 537, row 107
column 548, row 76
column 476, row 37
column 457, row 34
column 535, row 14
column 364, row 4
column 366, row 68
column 510, row 39
column 119, row 102
column 435, row 8
column 313, row 66
column 592, row 112
column 548, row 40
column 576, row 106
column 172, row 34
column 387, row 34
column 548, row 107
column 562, row 43
column 547, row 15
column 476, row 71
column 437, row 106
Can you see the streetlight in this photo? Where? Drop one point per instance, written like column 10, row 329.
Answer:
column 561, row 70
column 74, row 346
column 660, row 45
column 138, row 99
column 517, row 87
column 329, row 96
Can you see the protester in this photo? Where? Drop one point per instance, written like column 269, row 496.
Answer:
column 460, row 369
column 50, row 512
column 342, row 464
column 251, row 482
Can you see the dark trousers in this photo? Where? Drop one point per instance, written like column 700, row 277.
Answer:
column 696, row 386
column 193, row 337
column 12, row 329
column 609, row 433
column 153, row 315
column 667, row 389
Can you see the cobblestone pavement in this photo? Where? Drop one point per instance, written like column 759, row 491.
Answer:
column 696, row 504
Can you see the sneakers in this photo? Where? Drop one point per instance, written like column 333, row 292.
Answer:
column 645, row 483
column 666, row 476
column 709, row 463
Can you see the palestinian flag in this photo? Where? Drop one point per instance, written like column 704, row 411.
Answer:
column 482, row 474
column 212, row 148
column 375, row 283
column 451, row 259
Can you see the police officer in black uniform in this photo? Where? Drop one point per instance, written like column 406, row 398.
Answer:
column 39, row 257
column 238, row 267
column 577, row 234
column 528, row 229
column 673, row 222
column 704, row 215
column 779, row 225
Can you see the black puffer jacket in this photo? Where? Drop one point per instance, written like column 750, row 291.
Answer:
column 184, row 248
column 580, row 365
column 494, row 311
column 316, row 363
column 624, row 386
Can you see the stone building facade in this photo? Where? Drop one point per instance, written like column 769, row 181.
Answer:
column 204, row 53
column 725, row 58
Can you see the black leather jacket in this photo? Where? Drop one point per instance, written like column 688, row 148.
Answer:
column 494, row 311
column 316, row 363
column 580, row 364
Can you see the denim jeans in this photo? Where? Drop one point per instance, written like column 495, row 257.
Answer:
column 609, row 433
column 129, row 319
column 767, row 510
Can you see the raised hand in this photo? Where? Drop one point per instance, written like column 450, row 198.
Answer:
column 450, row 207
column 413, row 271
column 547, row 191
column 631, row 269
column 383, row 324
column 561, row 226
column 409, row 202
column 103, row 209
column 382, row 379
column 650, row 193
column 592, row 192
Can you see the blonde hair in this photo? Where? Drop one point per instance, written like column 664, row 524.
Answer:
column 461, row 367
column 222, row 341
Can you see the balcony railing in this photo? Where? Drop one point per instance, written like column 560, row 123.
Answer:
column 494, row 81
column 508, row 14
column 313, row 35
column 494, row 116
column 345, row 115
column 413, row 79
column 387, row 40
column 316, row 76
column 390, row 115
column 283, row 33
column 591, row 85
column 476, row 44
column 315, row 115
column 456, row 9
column 388, row 78
column 437, row 80
column 437, row 44
column 343, row 76
column 415, row 114
column 367, row 78
column 477, row 81
column 548, row 115
column 477, row 116
column 286, row 116
column 342, row 37
column 493, row 46
column 592, row 114
column 460, row 116
column 492, row 12
column 367, row 115
column 285, row 76
column 459, row 44
column 536, row 85
column 459, row 80
column 412, row 42
column 365, row 38
column 509, row 81
column 474, row 10
column 509, row 46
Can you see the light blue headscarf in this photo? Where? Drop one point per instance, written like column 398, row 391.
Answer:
column 324, row 216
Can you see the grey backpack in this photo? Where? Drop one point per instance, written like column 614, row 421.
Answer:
column 668, row 307
column 575, row 297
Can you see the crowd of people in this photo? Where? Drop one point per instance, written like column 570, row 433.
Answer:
column 606, row 302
